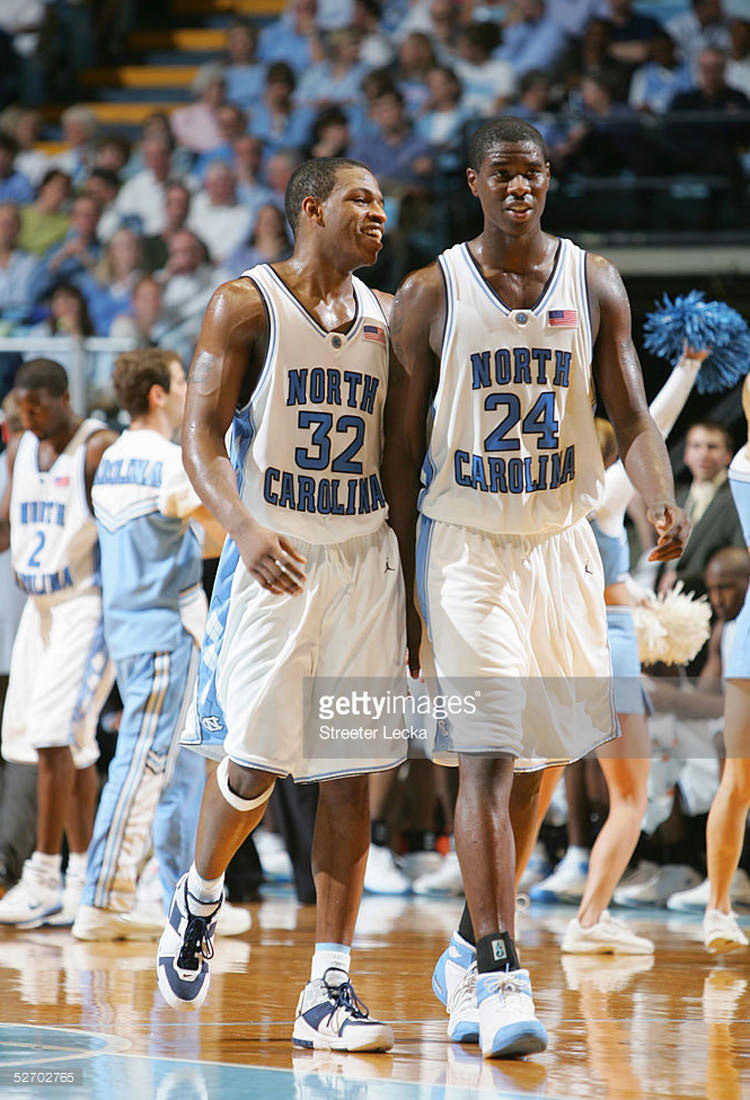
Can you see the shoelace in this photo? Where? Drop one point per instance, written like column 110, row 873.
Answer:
column 503, row 984
column 464, row 990
column 196, row 944
column 343, row 996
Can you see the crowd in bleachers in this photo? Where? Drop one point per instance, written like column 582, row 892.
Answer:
column 128, row 236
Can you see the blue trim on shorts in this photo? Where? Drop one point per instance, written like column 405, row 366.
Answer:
column 424, row 542
column 629, row 695
column 97, row 660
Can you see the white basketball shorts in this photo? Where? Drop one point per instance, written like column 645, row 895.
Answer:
column 519, row 633
column 60, row 677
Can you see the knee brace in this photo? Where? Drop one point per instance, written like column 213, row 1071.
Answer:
column 234, row 800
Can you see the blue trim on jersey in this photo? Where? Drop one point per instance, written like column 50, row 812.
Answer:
column 586, row 297
column 424, row 542
column 96, row 662
column 273, row 339
column 429, row 469
column 325, row 333
column 448, row 297
column 207, row 707
column 553, row 279
column 243, row 434
column 490, row 291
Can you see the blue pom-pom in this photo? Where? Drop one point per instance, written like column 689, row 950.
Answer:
column 702, row 324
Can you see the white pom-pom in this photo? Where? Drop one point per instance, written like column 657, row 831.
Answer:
column 672, row 629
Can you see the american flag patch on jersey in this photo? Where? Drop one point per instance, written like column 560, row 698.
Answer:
column 373, row 332
column 562, row 318
column 62, row 482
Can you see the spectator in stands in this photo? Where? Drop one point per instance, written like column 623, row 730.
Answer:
column 143, row 195
column 702, row 26
column 488, row 82
column 243, row 72
column 738, row 64
column 108, row 290
column 68, row 315
column 44, row 222
column 279, row 169
column 444, row 121
column 534, row 105
column 25, row 124
column 444, row 29
column 248, row 156
column 14, row 186
column 145, row 324
column 80, row 252
column 632, row 33
column 197, row 127
column 293, row 37
column 375, row 48
column 276, row 121
column 24, row 62
column 715, row 144
column 708, row 502
column 531, row 39
column 574, row 16
column 400, row 158
column 79, row 128
column 215, row 214
column 606, row 140
column 187, row 282
column 331, row 135
column 416, row 57
column 16, row 268
column 268, row 242
column 655, row 84
column 232, row 124
column 112, row 153
column 177, row 199
column 157, row 125
column 338, row 78
column 103, row 185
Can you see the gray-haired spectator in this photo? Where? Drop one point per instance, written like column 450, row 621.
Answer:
column 16, row 268
column 79, row 127
column 196, row 127
column 216, row 216
column 142, row 196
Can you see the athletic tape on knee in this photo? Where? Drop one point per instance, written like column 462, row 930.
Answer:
column 234, row 800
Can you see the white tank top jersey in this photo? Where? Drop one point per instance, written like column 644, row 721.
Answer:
column 513, row 448
column 53, row 541
column 307, row 446
column 739, row 483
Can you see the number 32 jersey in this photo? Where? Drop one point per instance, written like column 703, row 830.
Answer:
column 512, row 447
column 307, row 446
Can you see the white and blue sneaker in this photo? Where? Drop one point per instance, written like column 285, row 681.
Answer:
column 184, row 951
column 454, row 985
column 566, row 883
column 508, row 1027
column 37, row 896
column 330, row 1016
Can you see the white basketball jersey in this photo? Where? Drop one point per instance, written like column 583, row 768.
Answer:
column 513, row 447
column 307, row 446
column 53, row 542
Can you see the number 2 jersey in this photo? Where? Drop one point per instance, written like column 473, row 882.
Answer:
column 53, row 539
column 512, row 447
column 307, row 446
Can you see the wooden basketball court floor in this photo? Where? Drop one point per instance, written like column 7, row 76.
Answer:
column 81, row 1021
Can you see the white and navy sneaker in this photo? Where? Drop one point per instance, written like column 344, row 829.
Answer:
column 184, row 951
column 35, row 898
column 330, row 1016
column 508, row 1027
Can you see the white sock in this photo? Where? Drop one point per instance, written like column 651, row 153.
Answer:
column 207, row 892
column 76, row 865
column 48, row 864
column 577, row 851
column 338, row 955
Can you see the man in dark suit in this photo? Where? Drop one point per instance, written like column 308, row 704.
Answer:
column 708, row 503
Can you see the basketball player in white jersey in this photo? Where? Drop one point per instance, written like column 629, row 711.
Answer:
column 501, row 339
column 60, row 674
column 154, row 616
column 725, row 830
column 294, row 357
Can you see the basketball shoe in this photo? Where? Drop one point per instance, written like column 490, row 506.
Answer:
column 566, row 883
column 508, row 1027
column 185, row 948
column 37, row 896
column 330, row 1016
column 697, row 899
column 454, row 985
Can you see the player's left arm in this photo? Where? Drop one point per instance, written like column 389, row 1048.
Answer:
column 96, row 445
column 639, row 441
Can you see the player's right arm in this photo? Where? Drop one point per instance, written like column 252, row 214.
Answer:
column 416, row 320
column 5, row 503
column 233, row 329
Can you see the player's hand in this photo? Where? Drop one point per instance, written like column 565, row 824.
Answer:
column 672, row 527
column 272, row 561
column 413, row 639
